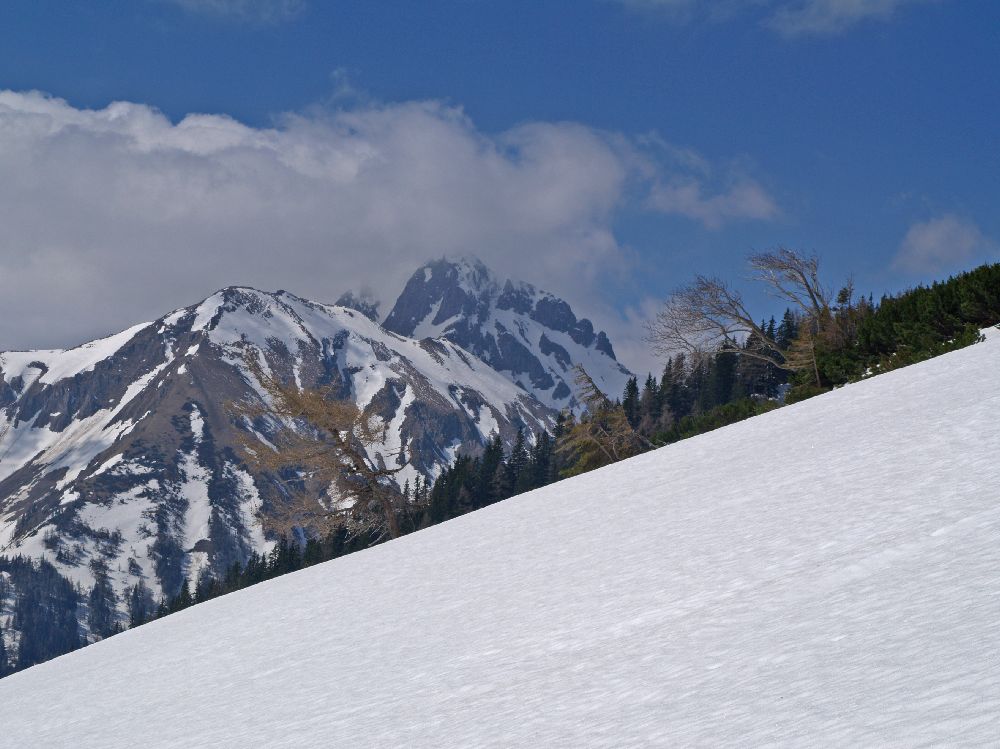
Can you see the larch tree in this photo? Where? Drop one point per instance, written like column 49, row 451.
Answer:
column 316, row 450
column 602, row 435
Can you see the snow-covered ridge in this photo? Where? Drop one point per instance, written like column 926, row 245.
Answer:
column 59, row 364
column 842, row 592
column 124, row 451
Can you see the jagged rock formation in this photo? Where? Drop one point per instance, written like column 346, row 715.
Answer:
column 364, row 303
column 530, row 335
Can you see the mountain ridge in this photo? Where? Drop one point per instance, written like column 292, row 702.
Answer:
column 839, row 592
column 122, row 450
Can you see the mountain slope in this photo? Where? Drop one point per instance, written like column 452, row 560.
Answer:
column 122, row 452
column 839, row 590
column 530, row 335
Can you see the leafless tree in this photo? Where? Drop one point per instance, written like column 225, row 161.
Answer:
column 795, row 278
column 705, row 317
column 708, row 316
column 315, row 448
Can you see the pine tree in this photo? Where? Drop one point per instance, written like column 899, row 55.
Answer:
column 102, row 613
column 540, row 464
column 649, row 404
column 516, row 463
column 788, row 330
column 205, row 588
column 140, row 605
column 630, row 401
column 4, row 660
column 183, row 599
column 488, row 488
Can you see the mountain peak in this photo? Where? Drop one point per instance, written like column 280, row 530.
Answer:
column 364, row 302
column 531, row 335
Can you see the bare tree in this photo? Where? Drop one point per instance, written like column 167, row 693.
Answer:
column 316, row 450
column 707, row 316
column 795, row 278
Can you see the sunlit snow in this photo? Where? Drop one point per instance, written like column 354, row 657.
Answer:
column 822, row 575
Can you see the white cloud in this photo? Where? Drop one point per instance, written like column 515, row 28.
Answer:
column 742, row 200
column 947, row 243
column 117, row 215
column 788, row 17
column 256, row 11
column 832, row 16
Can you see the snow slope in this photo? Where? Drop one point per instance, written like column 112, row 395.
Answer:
column 823, row 575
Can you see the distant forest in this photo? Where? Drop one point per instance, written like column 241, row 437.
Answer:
column 845, row 340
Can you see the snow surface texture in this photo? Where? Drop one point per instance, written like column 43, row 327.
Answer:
column 822, row 575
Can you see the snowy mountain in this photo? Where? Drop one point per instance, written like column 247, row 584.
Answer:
column 840, row 592
column 123, row 450
column 528, row 334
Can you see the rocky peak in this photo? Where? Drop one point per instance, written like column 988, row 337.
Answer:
column 364, row 302
column 528, row 334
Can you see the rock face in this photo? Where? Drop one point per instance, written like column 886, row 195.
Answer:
column 122, row 452
column 364, row 303
column 527, row 334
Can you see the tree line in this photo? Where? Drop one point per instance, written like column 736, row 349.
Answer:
column 722, row 365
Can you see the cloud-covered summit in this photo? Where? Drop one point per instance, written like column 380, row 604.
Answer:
column 113, row 214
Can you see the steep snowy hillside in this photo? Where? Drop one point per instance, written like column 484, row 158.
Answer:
column 823, row 575
column 530, row 335
column 122, row 451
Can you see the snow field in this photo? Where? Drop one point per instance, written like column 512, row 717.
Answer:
column 821, row 575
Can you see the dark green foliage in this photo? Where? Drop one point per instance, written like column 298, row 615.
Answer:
column 718, row 416
column 517, row 478
column 910, row 327
column 471, row 483
column 140, row 604
column 787, row 331
column 45, row 611
column 630, row 402
column 182, row 600
column 102, row 603
column 4, row 660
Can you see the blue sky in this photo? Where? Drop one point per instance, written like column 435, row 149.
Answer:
column 652, row 138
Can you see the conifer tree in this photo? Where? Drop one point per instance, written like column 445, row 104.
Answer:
column 540, row 464
column 516, row 463
column 140, row 604
column 183, row 599
column 787, row 331
column 630, row 401
column 102, row 604
column 4, row 660
column 489, row 479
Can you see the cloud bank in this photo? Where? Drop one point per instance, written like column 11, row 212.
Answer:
column 942, row 244
column 117, row 215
